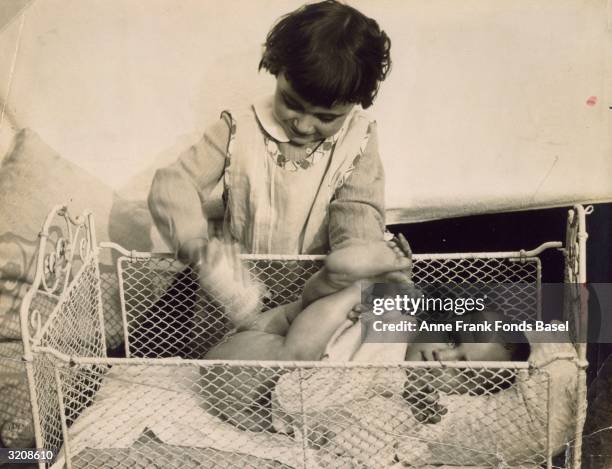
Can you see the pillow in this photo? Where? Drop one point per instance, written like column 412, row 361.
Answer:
column 34, row 178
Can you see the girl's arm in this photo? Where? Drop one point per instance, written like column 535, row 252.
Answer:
column 357, row 211
column 179, row 190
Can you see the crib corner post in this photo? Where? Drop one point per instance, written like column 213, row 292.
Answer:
column 580, row 418
column 576, row 239
column 62, row 409
column 38, row 438
column 549, row 449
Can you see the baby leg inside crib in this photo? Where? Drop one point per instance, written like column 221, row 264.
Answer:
column 241, row 395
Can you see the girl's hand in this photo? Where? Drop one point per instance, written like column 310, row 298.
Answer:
column 218, row 256
column 230, row 283
column 191, row 250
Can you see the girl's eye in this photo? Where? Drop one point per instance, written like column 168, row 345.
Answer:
column 290, row 104
column 327, row 120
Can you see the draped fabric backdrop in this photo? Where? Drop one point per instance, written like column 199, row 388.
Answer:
column 490, row 106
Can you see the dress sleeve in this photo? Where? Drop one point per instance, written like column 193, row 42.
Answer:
column 179, row 190
column 357, row 210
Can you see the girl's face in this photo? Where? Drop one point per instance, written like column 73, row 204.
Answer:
column 302, row 122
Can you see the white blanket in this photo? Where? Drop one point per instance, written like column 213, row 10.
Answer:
column 164, row 400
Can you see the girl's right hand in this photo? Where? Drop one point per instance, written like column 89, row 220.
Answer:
column 191, row 251
column 229, row 282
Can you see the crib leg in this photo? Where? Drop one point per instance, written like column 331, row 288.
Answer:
column 60, row 398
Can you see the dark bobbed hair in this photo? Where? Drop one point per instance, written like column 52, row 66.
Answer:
column 330, row 53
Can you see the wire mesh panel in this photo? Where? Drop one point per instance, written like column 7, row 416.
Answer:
column 512, row 284
column 74, row 328
column 47, row 402
column 199, row 414
column 168, row 314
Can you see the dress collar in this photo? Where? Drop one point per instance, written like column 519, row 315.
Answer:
column 263, row 110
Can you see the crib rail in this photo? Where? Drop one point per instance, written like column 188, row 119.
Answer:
column 156, row 285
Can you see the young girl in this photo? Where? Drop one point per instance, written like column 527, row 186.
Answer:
column 300, row 169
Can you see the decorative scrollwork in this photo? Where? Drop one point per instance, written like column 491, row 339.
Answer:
column 58, row 244
column 572, row 248
column 35, row 323
column 84, row 247
column 55, row 265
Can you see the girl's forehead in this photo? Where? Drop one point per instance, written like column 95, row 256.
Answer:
column 284, row 86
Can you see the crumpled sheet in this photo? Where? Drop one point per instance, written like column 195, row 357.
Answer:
column 162, row 400
column 362, row 414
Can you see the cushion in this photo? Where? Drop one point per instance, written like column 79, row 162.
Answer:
column 34, row 178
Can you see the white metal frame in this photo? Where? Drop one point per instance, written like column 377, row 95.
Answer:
column 59, row 264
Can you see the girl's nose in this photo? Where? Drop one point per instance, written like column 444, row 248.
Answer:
column 304, row 124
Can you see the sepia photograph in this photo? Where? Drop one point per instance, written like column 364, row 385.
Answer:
column 306, row 234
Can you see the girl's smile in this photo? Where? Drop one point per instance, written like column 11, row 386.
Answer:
column 302, row 122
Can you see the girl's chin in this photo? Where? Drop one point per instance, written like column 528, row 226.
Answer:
column 301, row 140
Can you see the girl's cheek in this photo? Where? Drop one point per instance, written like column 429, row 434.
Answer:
column 327, row 130
column 285, row 114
